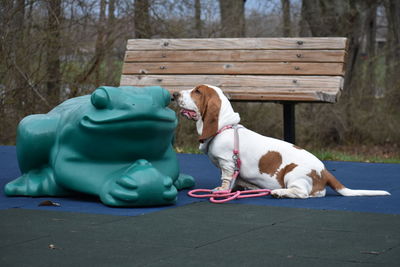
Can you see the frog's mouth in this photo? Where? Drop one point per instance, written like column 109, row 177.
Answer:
column 157, row 119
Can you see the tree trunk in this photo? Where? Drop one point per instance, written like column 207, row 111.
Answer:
column 333, row 18
column 110, row 39
column 286, row 31
column 142, row 19
column 101, row 37
column 304, row 29
column 312, row 14
column 370, row 24
column 197, row 18
column 111, row 18
column 322, row 17
column 392, row 8
column 53, row 51
column 232, row 18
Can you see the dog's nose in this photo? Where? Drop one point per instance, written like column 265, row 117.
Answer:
column 176, row 95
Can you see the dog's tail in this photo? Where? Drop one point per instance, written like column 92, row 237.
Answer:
column 344, row 191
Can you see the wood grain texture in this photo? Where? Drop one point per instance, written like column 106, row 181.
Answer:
column 234, row 68
column 279, row 96
column 236, row 56
column 246, row 69
column 284, row 90
column 235, row 81
column 237, row 43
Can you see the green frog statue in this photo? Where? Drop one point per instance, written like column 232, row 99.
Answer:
column 115, row 143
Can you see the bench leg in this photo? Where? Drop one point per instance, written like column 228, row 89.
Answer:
column 289, row 134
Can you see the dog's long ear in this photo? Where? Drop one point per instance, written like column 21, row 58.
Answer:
column 210, row 118
column 209, row 104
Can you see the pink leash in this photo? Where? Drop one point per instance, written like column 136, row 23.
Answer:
column 227, row 195
column 223, row 196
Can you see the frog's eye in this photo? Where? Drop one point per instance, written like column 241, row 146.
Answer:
column 100, row 99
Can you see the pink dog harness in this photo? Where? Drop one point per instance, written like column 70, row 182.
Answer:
column 221, row 196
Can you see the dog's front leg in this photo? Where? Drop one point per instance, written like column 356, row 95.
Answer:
column 227, row 170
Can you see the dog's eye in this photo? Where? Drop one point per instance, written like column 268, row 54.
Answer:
column 197, row 91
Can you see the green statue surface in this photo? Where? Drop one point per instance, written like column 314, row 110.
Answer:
column 115, row 143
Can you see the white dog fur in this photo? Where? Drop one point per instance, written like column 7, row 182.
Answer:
column 267, row 163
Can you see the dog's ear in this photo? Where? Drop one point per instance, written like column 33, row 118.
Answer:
column 210, row 118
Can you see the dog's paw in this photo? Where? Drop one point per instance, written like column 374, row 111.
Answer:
column 221, row 188
column 278, row 193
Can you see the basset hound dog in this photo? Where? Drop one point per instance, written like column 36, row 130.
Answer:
column 266, row 163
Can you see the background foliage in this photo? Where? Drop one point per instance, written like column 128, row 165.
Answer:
column 51, row 50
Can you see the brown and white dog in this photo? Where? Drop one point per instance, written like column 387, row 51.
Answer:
column 267, row 163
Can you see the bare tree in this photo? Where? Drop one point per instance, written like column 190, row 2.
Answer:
column 100, row 41
column 370, row 25
column 392, row 59
column 232, row 18
column 142, row 19
column 286, row 29
column 304, row 29
column 53, row 44
column 197, row 18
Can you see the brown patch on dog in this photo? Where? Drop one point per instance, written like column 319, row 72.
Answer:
column 282, row 172
column 297, row 147
column 270, row 162
column 323, row 179
column 318, row 182
column 209, row 105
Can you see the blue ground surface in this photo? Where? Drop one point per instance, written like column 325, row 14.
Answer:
column 352, row 174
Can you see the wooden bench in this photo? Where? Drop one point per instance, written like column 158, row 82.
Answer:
column 284, row 70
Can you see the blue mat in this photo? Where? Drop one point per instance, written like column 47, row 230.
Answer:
column 353, row 175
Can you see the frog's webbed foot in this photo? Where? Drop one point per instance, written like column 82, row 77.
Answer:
column 39, row 182
column 184, row 181
column 140, row 185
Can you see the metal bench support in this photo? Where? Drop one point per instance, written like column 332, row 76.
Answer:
column 289, row 134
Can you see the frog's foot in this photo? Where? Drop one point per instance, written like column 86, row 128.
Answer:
column 184, row 181
column 140, row 185
column 36, row 183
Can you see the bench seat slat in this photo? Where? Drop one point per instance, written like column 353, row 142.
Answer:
column 227, row 81
column 236, row 56
column 238, row 43
column 276, row 68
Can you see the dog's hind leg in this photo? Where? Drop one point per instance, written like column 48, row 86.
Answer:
column 296, row 187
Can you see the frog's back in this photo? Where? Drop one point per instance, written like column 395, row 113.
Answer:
column 69, row 105
column 36, row 134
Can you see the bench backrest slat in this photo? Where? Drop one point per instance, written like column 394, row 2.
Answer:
column 241, row 55
column 238, row 43
column 259, row 69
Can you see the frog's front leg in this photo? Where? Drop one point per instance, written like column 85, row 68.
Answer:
column 140, row 185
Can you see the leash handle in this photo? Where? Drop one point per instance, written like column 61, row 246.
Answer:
column 227, row 195
column 224, row 198
column 208, row 193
